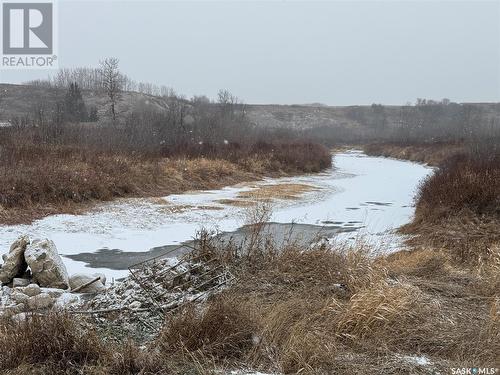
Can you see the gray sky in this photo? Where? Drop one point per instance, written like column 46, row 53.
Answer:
column 338, row 53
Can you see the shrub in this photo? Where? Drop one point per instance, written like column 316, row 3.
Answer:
column 50, row 167
column 462, row 182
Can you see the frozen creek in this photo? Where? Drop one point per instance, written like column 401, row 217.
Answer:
column 361, row 196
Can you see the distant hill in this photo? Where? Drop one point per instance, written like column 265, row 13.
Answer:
column 300, row 116
column 22, row 100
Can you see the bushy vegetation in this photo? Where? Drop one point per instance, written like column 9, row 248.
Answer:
column 463, row 182
column 290, row 310
column 458, row 206
column 50, row 167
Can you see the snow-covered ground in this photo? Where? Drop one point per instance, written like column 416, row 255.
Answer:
column 360, row 191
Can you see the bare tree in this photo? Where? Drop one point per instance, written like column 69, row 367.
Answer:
column 111, row 81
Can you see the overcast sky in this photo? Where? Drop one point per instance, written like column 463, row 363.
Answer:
column 337, row 53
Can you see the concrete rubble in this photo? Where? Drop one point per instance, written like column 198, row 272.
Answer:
column 34, row 279
column 47, row 266
column 14, row 263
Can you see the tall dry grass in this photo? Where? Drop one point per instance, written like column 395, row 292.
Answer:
column 43, row 173
column 61, row 344
column 224, row 331
column 57, row 341
column 294, row 309
column 301, row 311
column 290, row 310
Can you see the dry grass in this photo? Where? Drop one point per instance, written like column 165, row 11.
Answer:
column 290, row 340
column 292, row 310
column 381, row 315
column 69, row 172
column 458, row 209
column 223, row 330
column 277, row 191
column 297, row 311
column 56, row 340
column 237, row 202
column 420, row 263
column 60, row 344
column 429, row 153
column 467, row 180
column 40, row 188
column 466, row 236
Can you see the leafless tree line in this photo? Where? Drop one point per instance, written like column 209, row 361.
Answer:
column 424, row 121
column 201, row 120
column 438, row 121
column 90, row 78
column 180, row 125
column 198, row 123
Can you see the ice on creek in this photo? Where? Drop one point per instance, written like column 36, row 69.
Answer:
column 370, row 195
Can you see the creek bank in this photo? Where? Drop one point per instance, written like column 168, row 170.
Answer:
column 432, row 154
column 362, row 196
